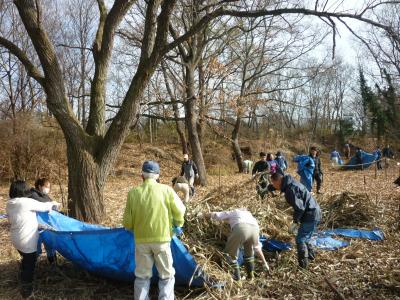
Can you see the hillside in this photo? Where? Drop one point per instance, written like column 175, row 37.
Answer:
column 365, row 269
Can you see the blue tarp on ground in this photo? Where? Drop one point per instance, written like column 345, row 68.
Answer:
column 323, row 239
column 274, row 245
column 374, row 235
column 106, row 251
column 269, row 245
column 328, row 243
column 367, row 160
column 305, row 168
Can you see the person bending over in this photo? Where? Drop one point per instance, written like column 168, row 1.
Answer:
column 306, row 214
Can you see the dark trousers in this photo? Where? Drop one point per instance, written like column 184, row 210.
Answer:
column 28, row 266
column 318, row 179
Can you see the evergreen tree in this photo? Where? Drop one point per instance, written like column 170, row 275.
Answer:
column 374, row 108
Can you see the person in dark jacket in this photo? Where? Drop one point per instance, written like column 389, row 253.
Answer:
column 262, row 165
column 388, row 152
column 41, row 190
column 189, row 170
column 282, row 163
column 359, row 158
column 317, row 176
column 378, row 153
column 306, row 214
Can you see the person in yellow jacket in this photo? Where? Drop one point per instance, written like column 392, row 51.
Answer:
column 152, row 210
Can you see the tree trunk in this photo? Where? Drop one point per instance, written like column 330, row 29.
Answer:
column 235, row 144
column 202, row 104
column 179, row 129
column 85, row 186
column 191, row 123
column 178, row 125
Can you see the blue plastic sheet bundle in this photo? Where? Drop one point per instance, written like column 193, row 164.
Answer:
column 106, row 251
column 367, row 160
column 305, row 168
column 269, row 245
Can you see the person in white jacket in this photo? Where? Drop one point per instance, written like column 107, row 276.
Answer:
column 245, row 232
column 24, row 230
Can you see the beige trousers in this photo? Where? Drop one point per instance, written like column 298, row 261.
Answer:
column 148, row 254
column 242, row 234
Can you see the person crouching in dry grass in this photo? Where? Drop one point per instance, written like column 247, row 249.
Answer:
column 245, row 232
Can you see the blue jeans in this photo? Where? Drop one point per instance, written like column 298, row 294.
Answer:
column 305, row 232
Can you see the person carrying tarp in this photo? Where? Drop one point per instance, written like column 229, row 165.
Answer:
column 152, row 210
column 41, row 190
column 245, row 232
column 21, row 213
column 388, row 152
column 306, row 214
column 378, row 155
column 282, row 163
column 335, row 158
column 347, row 150
column 305, row 168
column 359, row 157
column 317, row 175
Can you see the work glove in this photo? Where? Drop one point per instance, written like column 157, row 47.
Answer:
column 271, row 188
column 266, row 268
column 293, row 228
column 177, row 230
column 56, row 206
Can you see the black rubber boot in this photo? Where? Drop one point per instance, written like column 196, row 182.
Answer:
column 235, row 269
column 302, row 255
column 26, row 290
column 311, row 252
column 249, row 264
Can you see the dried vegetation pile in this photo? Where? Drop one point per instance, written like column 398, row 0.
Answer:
column 349, row 209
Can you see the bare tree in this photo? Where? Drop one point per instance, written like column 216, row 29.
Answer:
column 92, row 151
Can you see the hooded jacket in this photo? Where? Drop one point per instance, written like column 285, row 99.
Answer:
column 306, row 208
column 39, row 196
column 24, row 225
column 260, row 166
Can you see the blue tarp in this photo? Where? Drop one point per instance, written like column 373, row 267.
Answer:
column 374, row 235
column 274, row 245
column 108, row 252
column 269, row 245
column 305, row 168
column 367, row 160
column 323, row 239
column 328, row 243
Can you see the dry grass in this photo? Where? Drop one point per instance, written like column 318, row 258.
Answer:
column 365, row 269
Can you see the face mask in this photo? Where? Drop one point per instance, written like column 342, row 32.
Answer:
column 46, row 190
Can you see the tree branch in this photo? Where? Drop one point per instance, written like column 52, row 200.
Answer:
column 32, row 70
column 102, row 50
